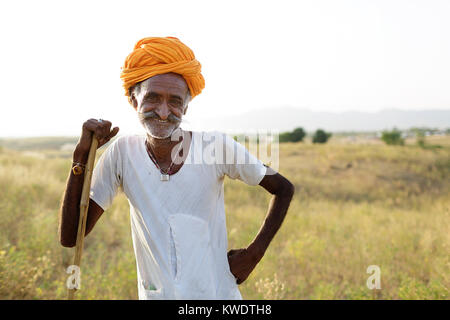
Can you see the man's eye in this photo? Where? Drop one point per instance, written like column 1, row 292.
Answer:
column 153, row 99
column 176, row 103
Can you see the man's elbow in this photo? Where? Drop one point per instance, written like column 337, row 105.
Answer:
column 288, row 190
column 291, row 189
column 65, row 242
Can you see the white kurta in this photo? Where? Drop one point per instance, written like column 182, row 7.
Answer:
column 178, row 226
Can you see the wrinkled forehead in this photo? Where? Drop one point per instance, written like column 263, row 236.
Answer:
column 168, row 82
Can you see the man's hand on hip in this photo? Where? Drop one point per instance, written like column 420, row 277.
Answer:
column 242, row 262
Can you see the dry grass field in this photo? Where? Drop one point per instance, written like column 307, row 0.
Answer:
column 356, row 205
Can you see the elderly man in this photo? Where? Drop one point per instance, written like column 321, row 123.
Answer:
column 176, row 202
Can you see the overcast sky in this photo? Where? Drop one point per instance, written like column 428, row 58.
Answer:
column 61, row 60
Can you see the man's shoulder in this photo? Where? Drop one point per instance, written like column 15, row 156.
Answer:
column 213, row 133
column 130, row 138
column 127, row 141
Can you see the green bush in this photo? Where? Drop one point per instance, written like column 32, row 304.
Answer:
column 293, row 136
column 420, row 139
column 285, row 137
column 298, row 134
column 320, row 136
column 393, row 137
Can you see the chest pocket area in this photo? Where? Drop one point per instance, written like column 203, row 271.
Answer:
column 195, row 266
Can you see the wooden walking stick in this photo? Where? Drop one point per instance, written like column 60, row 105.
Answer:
column 84, row 206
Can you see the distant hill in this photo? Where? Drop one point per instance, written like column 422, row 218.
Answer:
column 282, row 119
column 287, row 118
column 38, row 143
column 65, row 144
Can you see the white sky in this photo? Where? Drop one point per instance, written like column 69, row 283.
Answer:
column 60, row 60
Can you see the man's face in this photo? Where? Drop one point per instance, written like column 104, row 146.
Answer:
column 166, row 95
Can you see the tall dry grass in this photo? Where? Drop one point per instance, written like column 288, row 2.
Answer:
column 355, row 206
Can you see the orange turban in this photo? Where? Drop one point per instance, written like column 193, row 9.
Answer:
column 154, row 55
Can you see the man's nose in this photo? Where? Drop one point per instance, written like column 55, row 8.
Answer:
column 163, row 111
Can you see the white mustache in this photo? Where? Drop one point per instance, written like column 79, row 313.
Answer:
column 152, row 115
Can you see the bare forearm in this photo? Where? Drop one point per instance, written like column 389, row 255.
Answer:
column 277, row 210
column 243, row 261
column 70, row 207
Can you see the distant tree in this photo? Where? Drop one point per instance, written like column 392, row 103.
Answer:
column 420, row 138
column 298, row 134
column 393, row 137
column 320, row 136
column 292, row 136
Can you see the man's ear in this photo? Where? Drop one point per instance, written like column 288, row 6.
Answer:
column 185, row 109
column 132, row 100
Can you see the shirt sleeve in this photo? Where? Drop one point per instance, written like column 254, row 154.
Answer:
column 238, row 163
column 107, row 176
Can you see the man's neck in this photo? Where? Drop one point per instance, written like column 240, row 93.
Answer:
column 162, row 148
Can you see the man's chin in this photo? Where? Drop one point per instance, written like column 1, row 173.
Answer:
column 161, row 137
column 161, row 134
